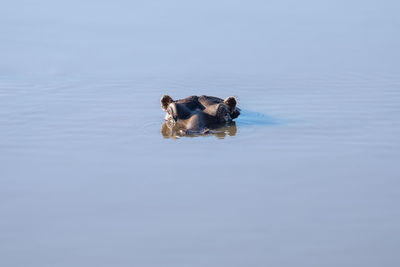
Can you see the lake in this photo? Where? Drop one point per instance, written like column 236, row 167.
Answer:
column 309, row 175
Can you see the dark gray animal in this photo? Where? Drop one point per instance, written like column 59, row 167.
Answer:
column 199, row 114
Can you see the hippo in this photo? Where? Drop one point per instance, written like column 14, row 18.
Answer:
column 196, row 115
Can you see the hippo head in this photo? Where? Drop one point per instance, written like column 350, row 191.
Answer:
column 198, row 114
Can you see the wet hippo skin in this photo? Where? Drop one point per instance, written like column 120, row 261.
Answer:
column 198, row 114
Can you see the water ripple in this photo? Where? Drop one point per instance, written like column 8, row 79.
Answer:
column 253, row 118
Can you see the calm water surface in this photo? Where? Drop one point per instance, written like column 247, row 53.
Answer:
column 309, row 177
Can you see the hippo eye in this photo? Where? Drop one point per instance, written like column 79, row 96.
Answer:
column 223, row 113
column 172, row 111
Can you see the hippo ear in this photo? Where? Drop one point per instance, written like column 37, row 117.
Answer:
column 165, row 101
column 230, row 102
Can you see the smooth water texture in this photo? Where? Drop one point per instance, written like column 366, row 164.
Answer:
column 309, row 177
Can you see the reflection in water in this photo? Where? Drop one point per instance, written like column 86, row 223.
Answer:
column 174, row 132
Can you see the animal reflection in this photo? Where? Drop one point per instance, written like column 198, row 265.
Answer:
column 174, row 132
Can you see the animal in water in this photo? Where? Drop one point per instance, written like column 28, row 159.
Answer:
column 199, row 114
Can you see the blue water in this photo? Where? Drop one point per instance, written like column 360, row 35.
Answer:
column 254, row 118
column 310, row 176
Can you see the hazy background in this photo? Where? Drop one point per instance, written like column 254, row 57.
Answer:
column 310, row 179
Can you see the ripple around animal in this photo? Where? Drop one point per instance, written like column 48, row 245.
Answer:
column 253, row 118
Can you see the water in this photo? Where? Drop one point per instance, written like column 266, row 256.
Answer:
column 309, row 177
